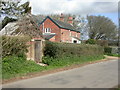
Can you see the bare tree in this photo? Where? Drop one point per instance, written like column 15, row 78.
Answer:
column 28, row 26
column 101, row 27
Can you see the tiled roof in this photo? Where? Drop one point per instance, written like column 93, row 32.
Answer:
column 61, row 24
column 38, row 19
column 64, row 25
column 48, row 35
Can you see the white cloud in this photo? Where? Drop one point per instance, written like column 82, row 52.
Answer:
column 73, row 6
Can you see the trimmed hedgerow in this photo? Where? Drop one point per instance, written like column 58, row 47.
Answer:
column 57, row 50
column 107, row 50
column 14, row 45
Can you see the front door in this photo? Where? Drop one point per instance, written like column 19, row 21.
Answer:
column 38, row 50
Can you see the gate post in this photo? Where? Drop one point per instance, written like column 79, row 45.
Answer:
column 35, row 50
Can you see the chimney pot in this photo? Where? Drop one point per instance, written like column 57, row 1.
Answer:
column 62, row 17
column 70, row 20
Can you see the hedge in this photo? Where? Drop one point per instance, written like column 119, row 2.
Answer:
column 56, row 50
column 107, row 50
column 98, row 42
column 14, row 45
column 111, row 50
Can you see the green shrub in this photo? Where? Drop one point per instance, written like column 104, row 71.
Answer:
column 13, row 66
column 107, row 50
column 58, row 50
column 98, row 42
column 91, row 41
column 14, row 45
column 51, row 49
column 9, row 63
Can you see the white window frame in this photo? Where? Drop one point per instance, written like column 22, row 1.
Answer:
column 47, row 30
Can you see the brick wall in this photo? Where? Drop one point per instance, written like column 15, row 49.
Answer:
column 54, row 29
column 62, row 35
column 65, row 35
column 73, row 34
column 78, row 35
column 52, row 39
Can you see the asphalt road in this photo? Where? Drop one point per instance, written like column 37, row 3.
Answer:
column 99, row 75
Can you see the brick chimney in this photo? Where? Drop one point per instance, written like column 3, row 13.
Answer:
column 70, row 20
column 62, row 17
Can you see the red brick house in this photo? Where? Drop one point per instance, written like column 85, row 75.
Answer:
column 59, row 31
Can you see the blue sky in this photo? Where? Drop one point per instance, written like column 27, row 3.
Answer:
column 112, row 16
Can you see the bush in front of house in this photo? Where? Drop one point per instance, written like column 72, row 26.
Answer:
column 65, row 54
column 58, row 50
column 107, row 50
column 14, row 45
column 91, row 41
column 111, row 51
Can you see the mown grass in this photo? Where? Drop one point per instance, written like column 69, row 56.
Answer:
column 17, row 66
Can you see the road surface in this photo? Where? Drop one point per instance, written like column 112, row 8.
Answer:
column 98, row 75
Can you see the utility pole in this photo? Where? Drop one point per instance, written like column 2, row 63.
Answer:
column 119, row 28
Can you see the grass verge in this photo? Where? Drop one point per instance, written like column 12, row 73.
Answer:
column 16, row 66
column 115, row 55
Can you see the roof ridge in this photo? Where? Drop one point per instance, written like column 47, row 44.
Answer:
column 62, row 21
column 61, row 24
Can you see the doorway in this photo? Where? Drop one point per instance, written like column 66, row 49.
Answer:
column 75, row 41
column 38, row 50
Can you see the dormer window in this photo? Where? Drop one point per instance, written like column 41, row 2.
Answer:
column 47, row 30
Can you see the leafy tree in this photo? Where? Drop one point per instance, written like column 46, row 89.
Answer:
column 91, row 41
column 13, row 8
column 26, row 7
column 100, row 27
